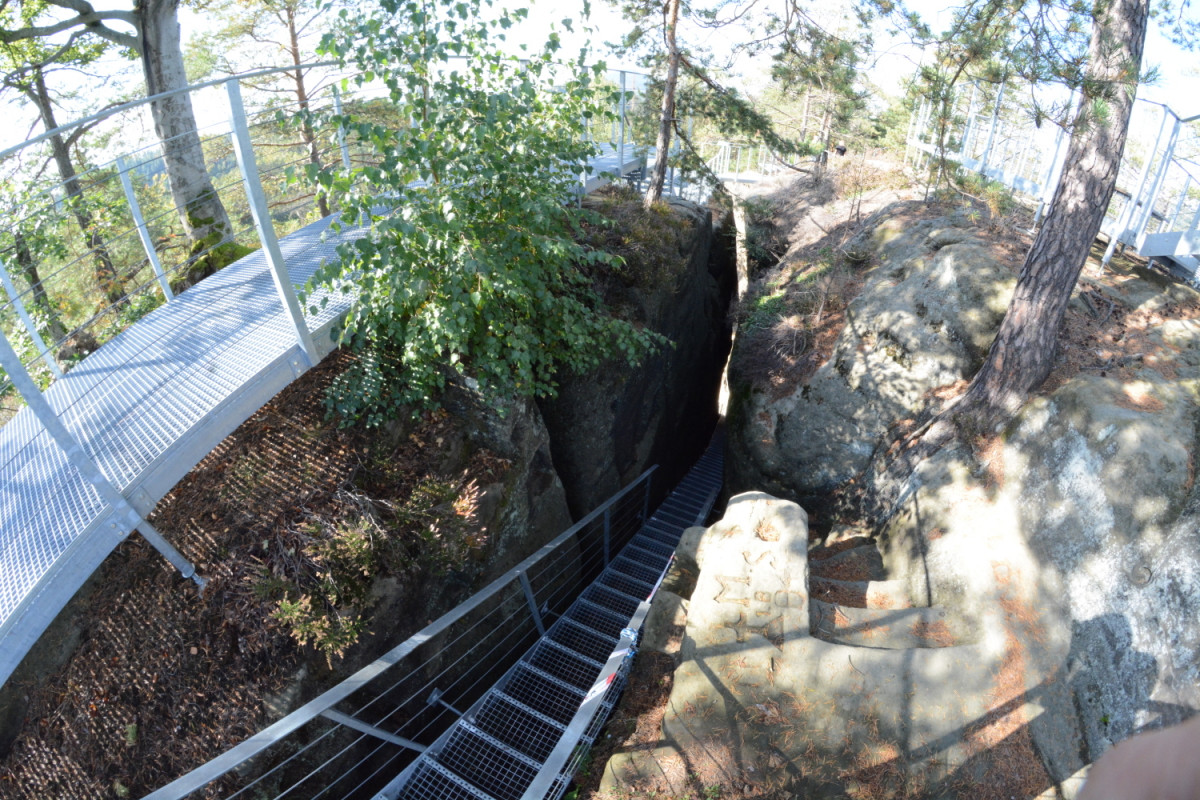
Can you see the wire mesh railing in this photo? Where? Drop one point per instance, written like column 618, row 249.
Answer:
column 352, row 740
column 999, row 133
column 146, row 312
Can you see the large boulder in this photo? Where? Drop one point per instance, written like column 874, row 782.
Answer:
column 610, row 425
column 762, row 707
column 1077, row 525
column 924, row 319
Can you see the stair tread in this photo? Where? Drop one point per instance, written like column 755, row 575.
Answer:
column 862, row 563
column 899, row 628
column 884, row 594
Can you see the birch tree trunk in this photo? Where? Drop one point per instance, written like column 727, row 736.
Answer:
column 663, row 143
column 204, row 218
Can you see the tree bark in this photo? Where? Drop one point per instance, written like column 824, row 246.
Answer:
column 105, row 272
column 663, row 143
column 41, row 301
column 204, row 218
column 306, row 131
column 1022, row 354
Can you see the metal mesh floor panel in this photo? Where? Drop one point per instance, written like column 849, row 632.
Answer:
column 638, row 590
column 598, row 618
column 652, row 546
column 488, row 767
column 623, row 604
column 563, row 665
column 583, row 640
column 430, row 783
column 628, row 565
column 524, row 732
column 546, row 697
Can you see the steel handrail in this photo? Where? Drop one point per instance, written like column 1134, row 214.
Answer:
column 277, row 732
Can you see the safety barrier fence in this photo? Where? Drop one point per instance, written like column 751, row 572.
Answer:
column 500, row 698
column 351, row 741
column 121, row 367
column 997, row 132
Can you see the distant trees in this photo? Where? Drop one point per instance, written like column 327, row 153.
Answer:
column 25, row 64
column 692, row 78
column 150, row 29
column 259, row 34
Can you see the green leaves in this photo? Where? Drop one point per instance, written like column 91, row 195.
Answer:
column 474, row 271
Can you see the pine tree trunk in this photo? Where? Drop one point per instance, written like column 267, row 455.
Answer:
column 1022, row 354
column 662, row 145
column 204, row 218
column 105, row 272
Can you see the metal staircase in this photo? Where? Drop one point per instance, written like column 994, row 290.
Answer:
column 524, row 738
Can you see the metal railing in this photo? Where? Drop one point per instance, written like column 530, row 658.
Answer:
column 117, row 378
column 1156, row 205
column 352, row 740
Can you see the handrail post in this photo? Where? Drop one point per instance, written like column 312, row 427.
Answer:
column 646, row 499
column 128, row 517
column 532, row 602
column 1187, row 184
column 341, row 131
column 1125, row 220
column 139, row 221
column 1147, row 211
column 991, row 137
column 262, row 220
column 607, row 534
column 621, row 158
column 27, row 321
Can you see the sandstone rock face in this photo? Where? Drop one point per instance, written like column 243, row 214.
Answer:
column 1068, row 542
column 764, row 705
column 924, row 319
column 608, row 427
column 522, row 512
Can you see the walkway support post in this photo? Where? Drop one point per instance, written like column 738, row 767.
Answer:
column 1126, row 218
column 341, row 131
column 1147, row 210
column 969, row 126
column 607, row 535
column 991, row 137
column 262, row 220
column 531, row 601
column 621, row 157
column 1187, row 184
column 139, row 222
column 124, row 518
column 19, row 306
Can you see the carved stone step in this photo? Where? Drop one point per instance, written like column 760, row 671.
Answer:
column 889, row 629
column 861, row 563
column 861, row 594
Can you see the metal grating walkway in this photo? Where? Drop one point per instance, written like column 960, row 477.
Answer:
column 524, row 738
column 146, row 408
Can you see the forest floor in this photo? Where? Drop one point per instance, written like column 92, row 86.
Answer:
column 802, row 228
column 165, row 678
